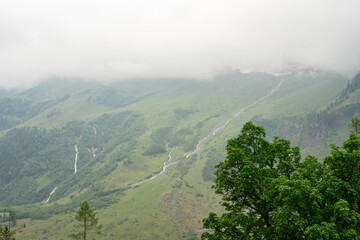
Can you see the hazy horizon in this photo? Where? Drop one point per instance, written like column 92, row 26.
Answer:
column 114, row 40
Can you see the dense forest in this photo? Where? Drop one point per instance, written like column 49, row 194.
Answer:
column 44, row 158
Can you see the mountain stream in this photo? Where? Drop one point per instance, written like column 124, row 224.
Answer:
column 76, row 158
column 201, row 143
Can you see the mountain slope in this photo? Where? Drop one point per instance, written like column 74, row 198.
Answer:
column 327, row 123
column 123, row 133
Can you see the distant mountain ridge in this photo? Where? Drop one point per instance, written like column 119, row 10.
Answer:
column 124, row 132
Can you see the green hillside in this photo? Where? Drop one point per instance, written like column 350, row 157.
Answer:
column 122, row 134
column 324, row 124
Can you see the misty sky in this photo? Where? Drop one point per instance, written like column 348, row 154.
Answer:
column 115, row 39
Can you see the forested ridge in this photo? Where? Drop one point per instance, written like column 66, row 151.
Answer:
column 35, row 160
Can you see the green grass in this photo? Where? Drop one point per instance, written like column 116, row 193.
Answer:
column 173, row 205
column 75, row 108
column 353, row 97
column 43, row 181
column 302, row 101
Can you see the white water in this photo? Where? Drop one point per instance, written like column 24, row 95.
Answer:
column 165, row 166
column 92, row 151
column 76, row 158
column 218, row 129
column 200, row 144
column 52, row 192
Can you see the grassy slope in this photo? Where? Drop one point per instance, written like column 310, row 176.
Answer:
column 314, row 95
column 308, row 99
column 203, row 98
column 172, row 206
column 74, row 108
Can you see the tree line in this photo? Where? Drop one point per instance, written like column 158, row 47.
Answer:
column 88, row 224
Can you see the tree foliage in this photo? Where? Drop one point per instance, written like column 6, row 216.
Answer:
column 87, row 222
column 34, row 160
column 355, row 125
column 268, row 193
column 5, row 231
column 6, row 234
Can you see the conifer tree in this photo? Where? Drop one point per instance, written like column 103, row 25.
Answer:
column 87, row 222
column 5, row 232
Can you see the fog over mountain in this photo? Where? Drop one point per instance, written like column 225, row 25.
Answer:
column 112, row 40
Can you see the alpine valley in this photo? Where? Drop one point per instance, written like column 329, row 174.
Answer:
column 142, row 152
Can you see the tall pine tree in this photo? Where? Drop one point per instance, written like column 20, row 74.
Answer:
column 88, row 222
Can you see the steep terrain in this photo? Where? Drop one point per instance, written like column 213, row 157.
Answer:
column 142, row 152
column 325, row 124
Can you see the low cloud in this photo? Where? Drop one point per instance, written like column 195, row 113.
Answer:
column 112, row 40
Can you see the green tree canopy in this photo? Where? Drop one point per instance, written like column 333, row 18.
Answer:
column 87, row 222
column 355, row 125
column 268, row 193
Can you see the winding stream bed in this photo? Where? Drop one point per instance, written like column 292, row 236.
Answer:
column 198, row 148
column 201, row 143
column 166, row 164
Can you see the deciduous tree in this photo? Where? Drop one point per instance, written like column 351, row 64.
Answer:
column 268, row 193
column 355, row 125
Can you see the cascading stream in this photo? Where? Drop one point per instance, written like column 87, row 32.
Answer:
column 75, row 170
column 165, row 166
column 52, row 192
column 200, row 144
column 76, row 158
